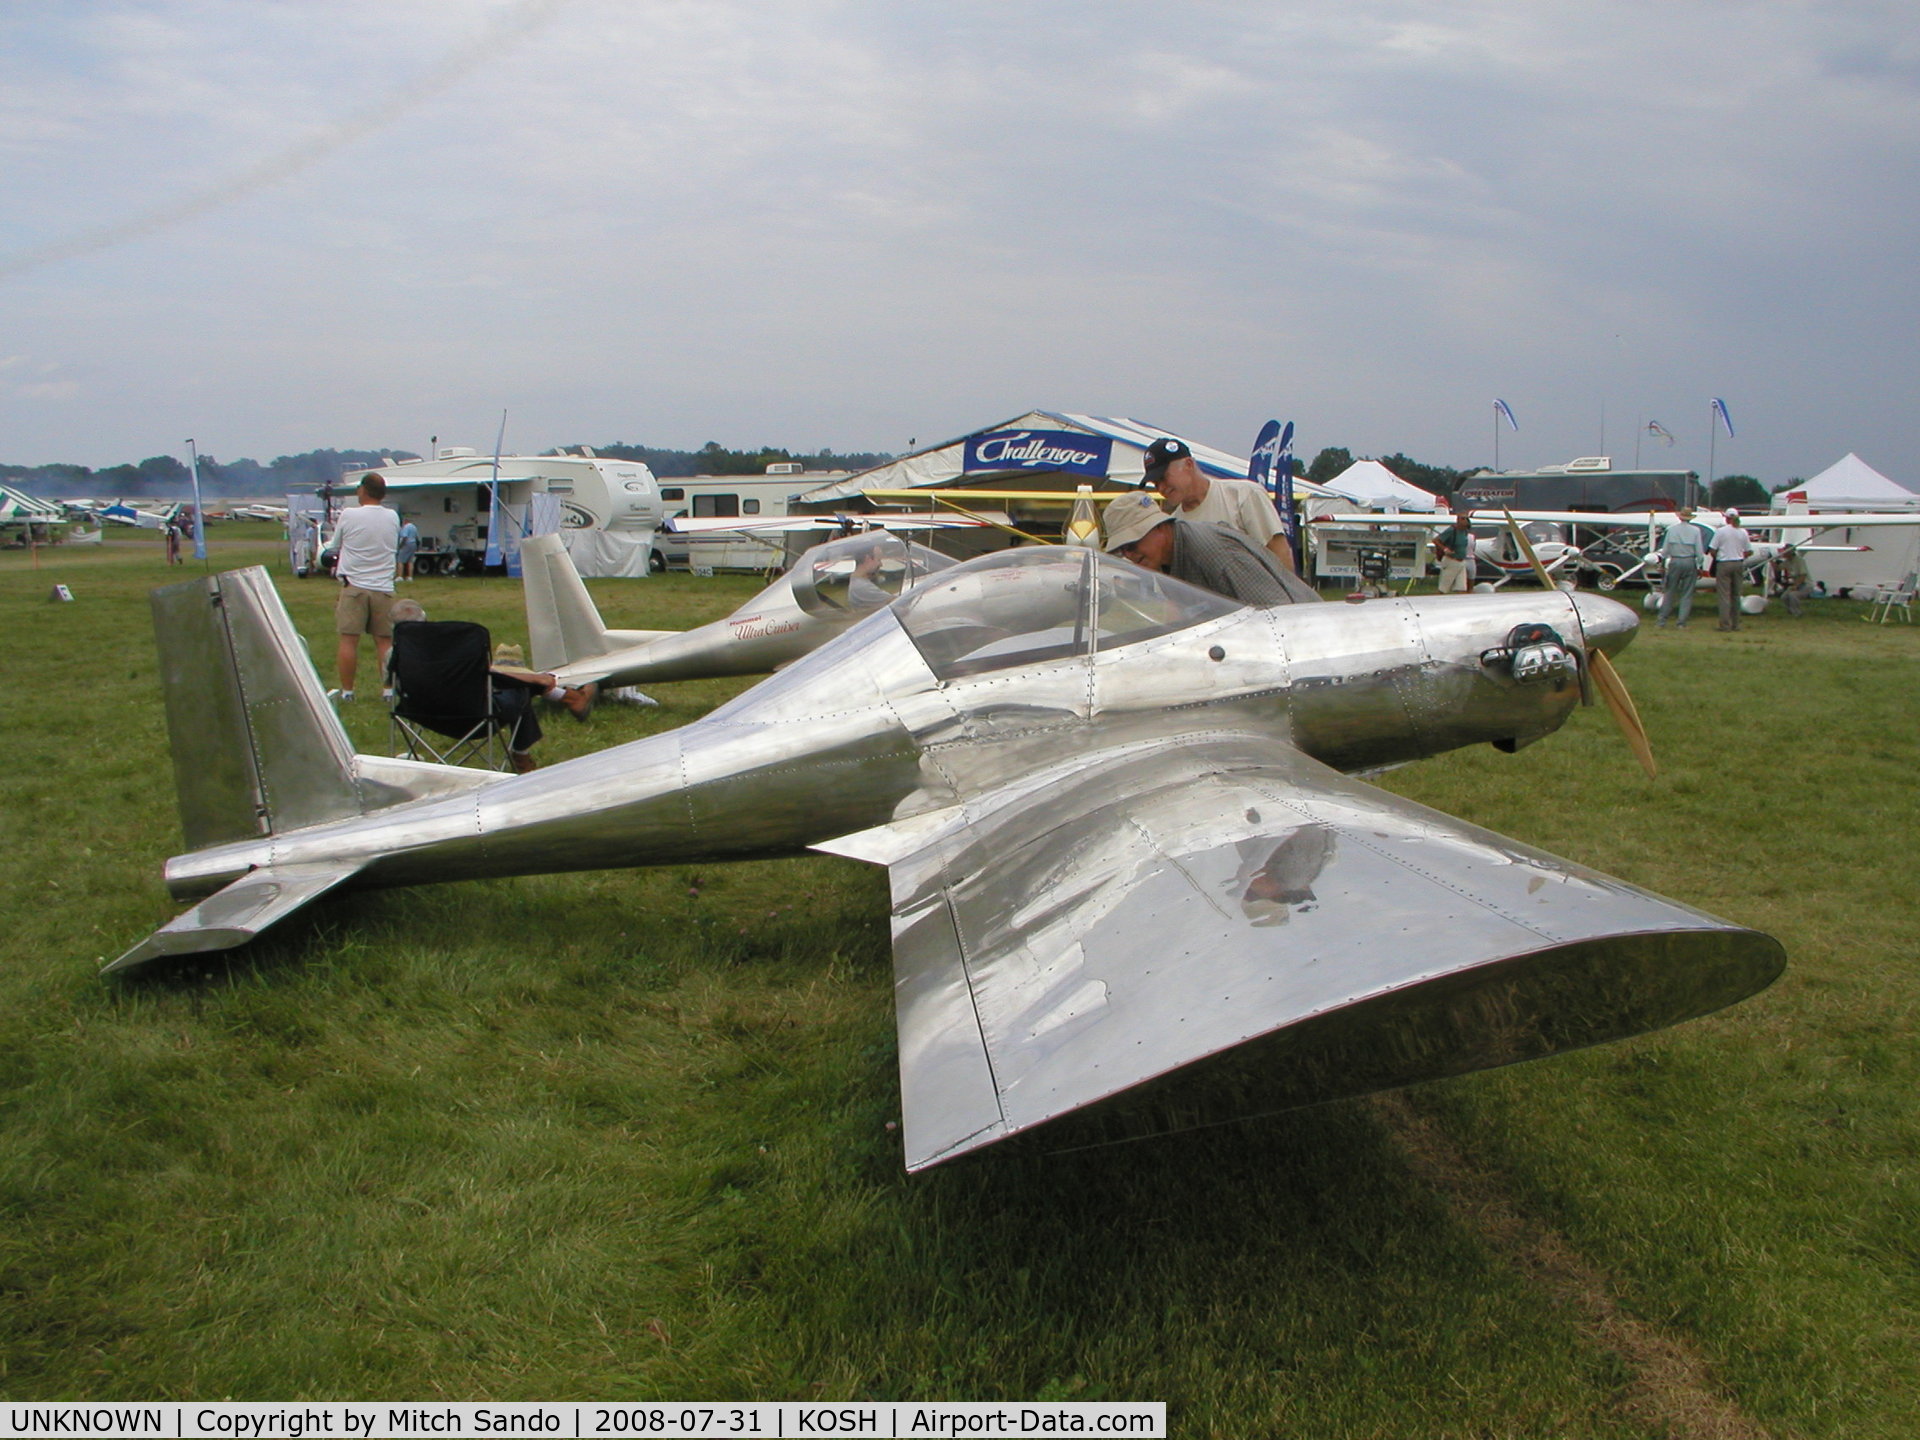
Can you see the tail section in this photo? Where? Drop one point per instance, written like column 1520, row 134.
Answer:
column 565, row 628
column 257, row 749
column 257, row 752
column 562, row 622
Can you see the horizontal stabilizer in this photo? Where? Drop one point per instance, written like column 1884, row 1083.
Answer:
column 236, row 914
column 1159, row 905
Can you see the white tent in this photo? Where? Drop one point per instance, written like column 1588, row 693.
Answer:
column 1372, row 486
column 17, row 506
column 1850, row 484
column 1888, row 553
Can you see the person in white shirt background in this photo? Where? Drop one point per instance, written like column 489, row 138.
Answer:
column 366, row 540
column 1731, row 545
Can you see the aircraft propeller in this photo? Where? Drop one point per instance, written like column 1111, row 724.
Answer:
column 1612, row 688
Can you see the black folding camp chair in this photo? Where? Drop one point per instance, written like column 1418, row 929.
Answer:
column 443, row 707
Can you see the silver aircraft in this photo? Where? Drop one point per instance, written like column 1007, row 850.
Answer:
column 1117, row 813
column 826, row 590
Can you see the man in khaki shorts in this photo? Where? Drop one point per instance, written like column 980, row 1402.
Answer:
column 367, row 540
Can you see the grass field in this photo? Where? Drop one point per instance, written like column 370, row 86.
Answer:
column 629, row 1134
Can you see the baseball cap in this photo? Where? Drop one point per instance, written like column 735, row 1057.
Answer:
column 1163, row 452
column 1130, row 517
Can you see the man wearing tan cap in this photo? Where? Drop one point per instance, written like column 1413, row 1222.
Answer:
column 1210, row 556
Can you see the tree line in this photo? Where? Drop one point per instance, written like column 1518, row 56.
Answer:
column 714, row 458
column 166, row 475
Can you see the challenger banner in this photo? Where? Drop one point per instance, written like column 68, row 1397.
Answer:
column 1015, row 450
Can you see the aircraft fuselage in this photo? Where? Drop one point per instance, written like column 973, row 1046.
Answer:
column 866, row 732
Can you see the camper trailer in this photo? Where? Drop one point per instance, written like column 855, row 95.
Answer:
column 1589, row 483
column 607, row 511
column 701, row 497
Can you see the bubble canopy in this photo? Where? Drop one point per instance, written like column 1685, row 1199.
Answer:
column 860, row 574
column 1029, row 605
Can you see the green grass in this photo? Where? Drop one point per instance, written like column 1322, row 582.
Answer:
column 628, row 1134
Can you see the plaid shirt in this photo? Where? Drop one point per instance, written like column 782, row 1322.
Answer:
column 1227, row 563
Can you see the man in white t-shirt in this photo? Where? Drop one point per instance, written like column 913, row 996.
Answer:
column 1238, row 504
column 1731, row 546
column 366, row 539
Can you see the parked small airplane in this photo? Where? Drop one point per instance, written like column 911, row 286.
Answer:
column 1614, row 558
column 1116, row 810
column 823, row 592
column 122, row 513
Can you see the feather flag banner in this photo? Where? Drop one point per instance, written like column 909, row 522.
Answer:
column 1505, row 412
column 1720, row 414
column 199, row 509
column 1654, row 427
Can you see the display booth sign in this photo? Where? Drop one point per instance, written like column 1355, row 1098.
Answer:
column 1067, row 450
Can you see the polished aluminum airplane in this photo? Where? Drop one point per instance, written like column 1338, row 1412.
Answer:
column 822, row 593
column 1118, row 815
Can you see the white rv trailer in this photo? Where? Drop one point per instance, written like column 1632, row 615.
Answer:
column 765, row 496
column 609, row 510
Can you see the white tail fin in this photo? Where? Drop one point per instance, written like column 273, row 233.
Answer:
column 562, row 622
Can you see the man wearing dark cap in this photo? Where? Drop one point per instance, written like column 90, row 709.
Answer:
column 1210, row 556
column 1238, row 504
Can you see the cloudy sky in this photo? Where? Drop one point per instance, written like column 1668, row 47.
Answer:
column 282, row 224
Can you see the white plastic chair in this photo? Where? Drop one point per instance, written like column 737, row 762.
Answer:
column 1889, row 598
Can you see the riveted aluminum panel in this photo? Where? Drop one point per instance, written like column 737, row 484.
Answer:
column 215, row 776
column 302, row 754
column 1161, row 906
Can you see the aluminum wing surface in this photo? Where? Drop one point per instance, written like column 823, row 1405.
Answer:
column 235, row 915
column 1069, row 936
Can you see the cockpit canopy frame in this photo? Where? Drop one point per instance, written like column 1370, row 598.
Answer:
column 1035, row 604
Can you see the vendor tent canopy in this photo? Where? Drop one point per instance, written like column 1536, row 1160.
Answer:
column 1373, row 486
column 17, row 507
column 1886, row 554
column 1849, row 483
column 1042, row 449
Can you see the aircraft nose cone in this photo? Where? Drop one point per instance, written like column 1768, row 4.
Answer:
column 1607, row 623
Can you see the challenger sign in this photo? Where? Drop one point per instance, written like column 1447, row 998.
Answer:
column 1068, row 450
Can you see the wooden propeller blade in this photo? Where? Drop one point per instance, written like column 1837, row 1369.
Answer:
column 1620, row 704
column 1612, row 688
column 1526, row 549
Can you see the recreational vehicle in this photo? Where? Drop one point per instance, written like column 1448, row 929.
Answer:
column 607, row 511
column 750, row 497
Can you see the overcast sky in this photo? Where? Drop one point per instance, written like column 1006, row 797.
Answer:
column 281, row 224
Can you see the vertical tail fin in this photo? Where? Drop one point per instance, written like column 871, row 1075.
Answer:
column 562, row 622
column 256, row 747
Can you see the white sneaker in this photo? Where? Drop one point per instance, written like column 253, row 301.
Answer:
column 340, row 697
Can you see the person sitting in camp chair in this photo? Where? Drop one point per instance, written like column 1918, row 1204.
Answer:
column 445, row 682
